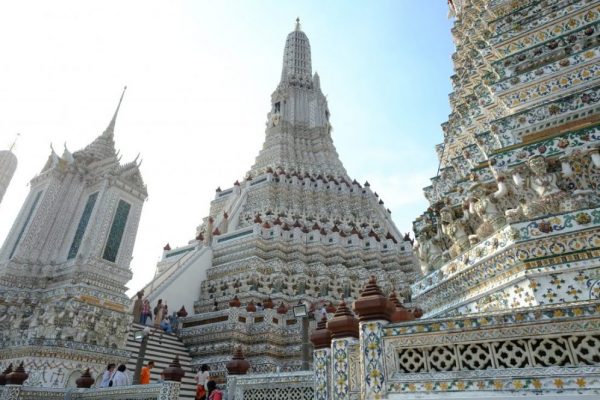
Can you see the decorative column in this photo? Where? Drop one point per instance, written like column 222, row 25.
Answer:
column 237, row 366
column 401, row 313
column 11, row 392
column 174, row 372
column 169, row 390
column 18, row 376
column 3, row 375
column 14, row 384
column 235, row 302
column 171, row 386
column 374, row 312
column 321, row 340
column 85, row 380
column 344, row 333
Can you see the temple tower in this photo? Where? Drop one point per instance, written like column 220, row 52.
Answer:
column 295, row 229
column 298, row 135
column 8, row 166
column 65, row 262
column 518, row 183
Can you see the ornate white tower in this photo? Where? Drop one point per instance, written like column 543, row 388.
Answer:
column 297, row 228
column 65, row 262
column 298, row 135
column 8, row 166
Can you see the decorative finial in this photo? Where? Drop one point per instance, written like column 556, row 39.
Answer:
column 12, row 146
column 111, row 126
column 298, row 23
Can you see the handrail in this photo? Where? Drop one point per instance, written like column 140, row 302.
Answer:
column 139, row 392
column 169, row 272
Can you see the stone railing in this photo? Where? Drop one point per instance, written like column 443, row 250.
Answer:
column 537, row 350
column 64, row 344
column 280, row 386
column 381, row 350
column 544, row 350
column 158, row 391
column 168, row 274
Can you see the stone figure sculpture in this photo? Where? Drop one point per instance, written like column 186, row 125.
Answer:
column 483, row 205
column 454, row 228
column 428, row 249
column 548, row 196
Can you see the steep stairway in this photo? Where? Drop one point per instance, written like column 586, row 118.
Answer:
column 162, row 348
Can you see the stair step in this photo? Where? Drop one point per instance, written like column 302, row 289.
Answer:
column 159, row 347
column 163, row 353
column 162, row 349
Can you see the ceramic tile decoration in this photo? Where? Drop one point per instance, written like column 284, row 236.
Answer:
column 504, row 273
column 65, row 263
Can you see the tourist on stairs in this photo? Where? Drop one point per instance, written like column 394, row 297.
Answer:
column 158, row 313
column 145, row 374
column 120, row 377
column 202, row 378
column 146, row 312
column 108, row 375
column 165, row 325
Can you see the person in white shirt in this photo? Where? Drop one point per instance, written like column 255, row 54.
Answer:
column 120, row 378
column 201, row 378
column 107, row 376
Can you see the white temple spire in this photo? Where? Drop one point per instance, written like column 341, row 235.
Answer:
column 8, row 165
column 110, row 130
column 296, row 56
column 298, row 136
column 103, row 146
column 14, row 143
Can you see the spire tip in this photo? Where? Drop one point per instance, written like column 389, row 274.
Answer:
column 14, row 143
column 111, row 126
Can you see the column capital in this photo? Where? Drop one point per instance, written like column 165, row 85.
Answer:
column 344, row 323
column 372, row 304
column 321, row 337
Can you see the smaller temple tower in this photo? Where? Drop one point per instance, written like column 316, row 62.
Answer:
column 65, row 263
column 8, row 166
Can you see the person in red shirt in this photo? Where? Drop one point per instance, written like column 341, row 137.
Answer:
column 213, row 392
column 145, row 374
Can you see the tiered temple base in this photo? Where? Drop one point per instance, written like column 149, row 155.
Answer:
column 545, row 261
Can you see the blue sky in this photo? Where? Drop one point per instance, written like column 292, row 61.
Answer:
column 200, row 75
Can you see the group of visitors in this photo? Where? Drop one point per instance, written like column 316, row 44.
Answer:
column 206, row 388
column 118, row 377
column 160, row 311
column 114, row 377
column 162, row 319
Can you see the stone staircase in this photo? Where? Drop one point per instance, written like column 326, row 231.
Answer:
column 162, row 348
